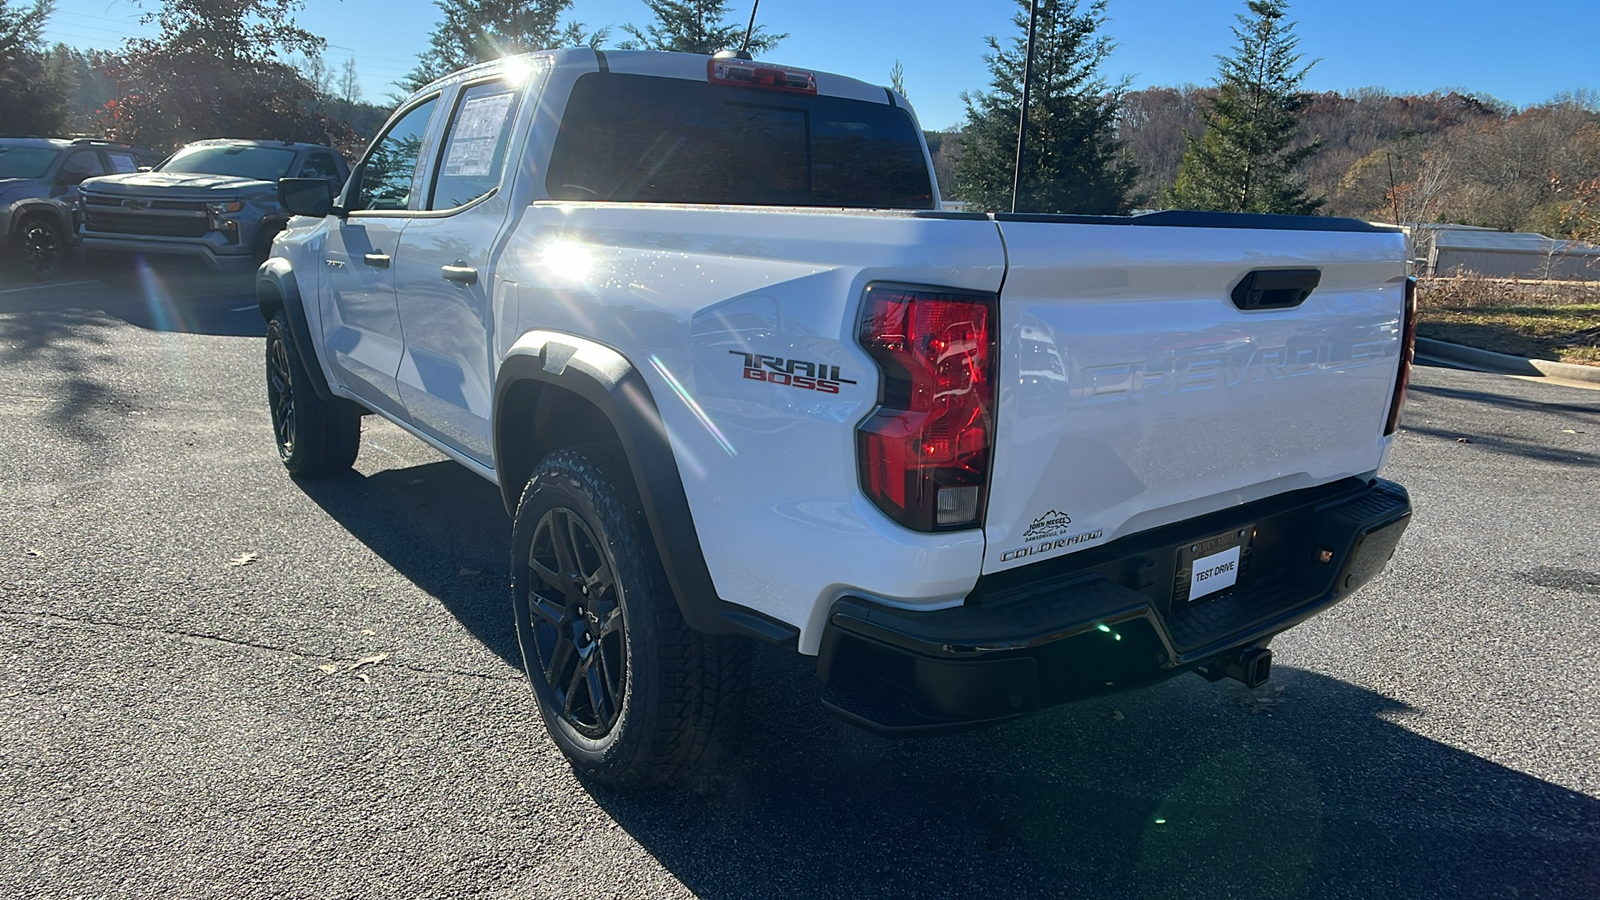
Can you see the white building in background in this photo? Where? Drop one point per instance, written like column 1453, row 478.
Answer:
column 1446, row 250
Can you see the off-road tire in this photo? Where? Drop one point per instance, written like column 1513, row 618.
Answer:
column 314, row 437
column 680, row 690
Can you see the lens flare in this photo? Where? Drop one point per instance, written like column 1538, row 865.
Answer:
column 567, row 260
column 683, row 394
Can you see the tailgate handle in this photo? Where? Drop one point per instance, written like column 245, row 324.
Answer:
column 1276, row 288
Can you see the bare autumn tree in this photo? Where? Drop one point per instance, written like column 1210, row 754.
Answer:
column 218, row 68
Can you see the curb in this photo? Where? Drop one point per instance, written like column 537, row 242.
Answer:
column 1506, row 364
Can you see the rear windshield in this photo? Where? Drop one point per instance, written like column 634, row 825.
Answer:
column 644, row 139
column 25, row 162
column 240, row 161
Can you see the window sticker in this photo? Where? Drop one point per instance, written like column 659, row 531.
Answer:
column 121, row 164
column 477, row 130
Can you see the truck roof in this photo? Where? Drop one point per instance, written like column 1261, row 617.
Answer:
column 248, row 142
column 690, row 66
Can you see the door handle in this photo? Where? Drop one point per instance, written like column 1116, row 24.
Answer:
column 377, row 260
column 1276, row 288
column 460, row 274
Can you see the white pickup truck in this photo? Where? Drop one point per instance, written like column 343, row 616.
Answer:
column 738, row 377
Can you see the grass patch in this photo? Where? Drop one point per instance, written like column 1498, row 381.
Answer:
column 1538, row 320
column 1567, row 333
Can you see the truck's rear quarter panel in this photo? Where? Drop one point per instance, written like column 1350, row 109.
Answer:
column 692, row 295
column 1134, row 393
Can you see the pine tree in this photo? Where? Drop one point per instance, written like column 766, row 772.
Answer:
column 1072, row 163
column 1246, row 161
column 696, row 26
column 475, row 31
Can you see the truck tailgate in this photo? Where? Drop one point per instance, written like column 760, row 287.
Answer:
column 1134, row 392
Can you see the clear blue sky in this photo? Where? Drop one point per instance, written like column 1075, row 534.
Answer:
column 1521, row 52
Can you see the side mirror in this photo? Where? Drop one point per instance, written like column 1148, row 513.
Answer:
column 306, row 196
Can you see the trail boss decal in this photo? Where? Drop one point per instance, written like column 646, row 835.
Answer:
column 797, row 373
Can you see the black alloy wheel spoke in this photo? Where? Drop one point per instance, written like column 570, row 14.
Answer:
column 548, row 610
column 561, row 656
column 609, row 623
column 41, row 249
column 282, row 394
column 599, row 691
column 572, row 604
column 613, row 682
column 572, row 694
column 561, row 540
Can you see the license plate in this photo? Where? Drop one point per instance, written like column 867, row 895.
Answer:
column 1211, row 566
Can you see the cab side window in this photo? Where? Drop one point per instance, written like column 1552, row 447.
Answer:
column 319, row 164
column 80, row 165
column 474, row 151
column 387, row 174
column 122, row 163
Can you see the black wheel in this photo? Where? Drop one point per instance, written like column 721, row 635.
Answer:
column 628, row 692
column 42, row 248
column 314, row 437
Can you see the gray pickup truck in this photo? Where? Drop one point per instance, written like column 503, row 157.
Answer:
column 214, row 202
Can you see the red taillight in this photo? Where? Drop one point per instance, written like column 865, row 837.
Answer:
column 924, row 453
column 1408, row 352
column 741, row 73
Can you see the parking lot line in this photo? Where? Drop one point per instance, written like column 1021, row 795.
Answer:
column 40, row 287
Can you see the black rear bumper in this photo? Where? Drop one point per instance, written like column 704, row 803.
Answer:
column 1104, row 619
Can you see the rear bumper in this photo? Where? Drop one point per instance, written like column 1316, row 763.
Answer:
column 1103, row 619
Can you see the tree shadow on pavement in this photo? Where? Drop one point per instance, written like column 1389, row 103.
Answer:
column 1589, row 412
column 153, row 299
column 1308, row 787
column 1304, row 788
column 444, row 529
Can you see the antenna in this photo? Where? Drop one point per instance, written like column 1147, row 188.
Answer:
column 1394, row 196
column 750, row 29
column 1022, row 118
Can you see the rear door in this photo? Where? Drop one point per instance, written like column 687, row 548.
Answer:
column 1135, row 392
column 442, row 273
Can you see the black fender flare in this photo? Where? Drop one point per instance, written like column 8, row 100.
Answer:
column 605, row 379
column 35, row 206
column 277, row 290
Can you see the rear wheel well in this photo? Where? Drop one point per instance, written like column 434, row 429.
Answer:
column 536, row 419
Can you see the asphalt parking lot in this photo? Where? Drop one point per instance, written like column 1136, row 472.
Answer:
column 215, row 681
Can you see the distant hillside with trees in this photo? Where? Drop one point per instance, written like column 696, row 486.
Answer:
column 243, row 68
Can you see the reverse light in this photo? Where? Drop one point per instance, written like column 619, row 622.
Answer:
column 924, row 453
column 740, row 73
column 1408, row 353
